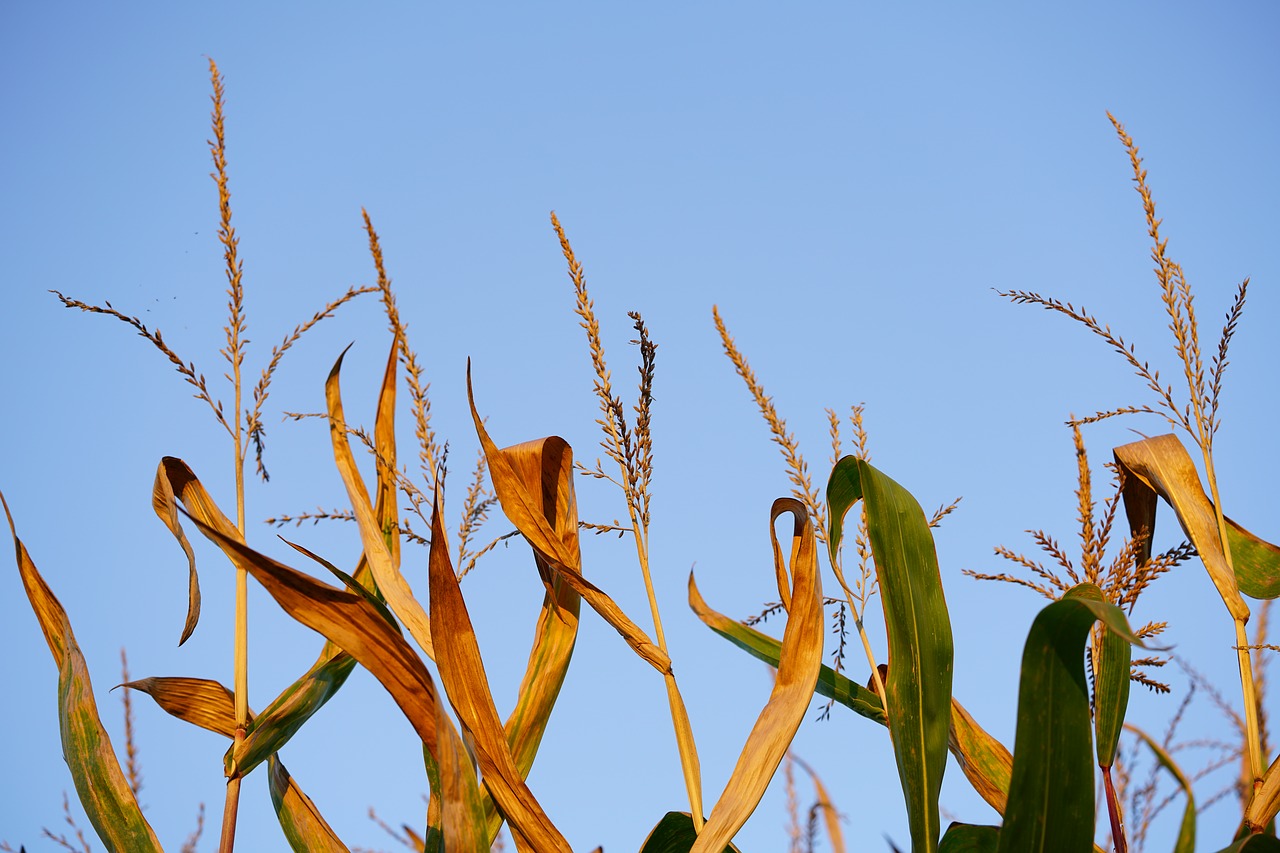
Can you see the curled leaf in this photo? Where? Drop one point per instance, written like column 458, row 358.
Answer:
column 798, row 666
column 1161, row 466
column 516, row 483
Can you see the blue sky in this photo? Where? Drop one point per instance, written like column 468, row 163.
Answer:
column 849, row 183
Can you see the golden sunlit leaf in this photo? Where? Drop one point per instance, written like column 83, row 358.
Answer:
column 199, row 701
column 801, row 660
column 387, row 574
column 100, row 784
column 1161, row 466
column 556, row 546
column 467, row 686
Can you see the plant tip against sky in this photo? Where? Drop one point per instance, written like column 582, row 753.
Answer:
column 837, row 195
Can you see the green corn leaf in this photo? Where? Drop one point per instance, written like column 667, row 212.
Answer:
column 1111, row 683
column 674, row 834
column 282, row 719
column 985, row 762
column 100, row 784
column 1186, row 842
column 1051, row 794
column 918, row 687
column 1256, row 561
column 969, row 838
column 305, row 829
column 1254, row 844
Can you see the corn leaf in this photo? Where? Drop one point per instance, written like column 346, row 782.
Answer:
column 675, row 834
column 282, row 719
column 103, row 790
column 985, row 762
column 467, row 686
column 1256, row 561
column 350, row 621
column 1161, row 466
column 165, row 506
column 199, row 701
column 304, row 827
column 1111, row 683
column 969, row 838
column 462, row 819
column 1186, row 842
column 382, row 563
column 547, row 467
column 918, row 687
column 557, row 547
column 831, row 684
column 797, row 677
column 830, row 817
column 1051, row 799
column 1254, row 844
column 209, row 705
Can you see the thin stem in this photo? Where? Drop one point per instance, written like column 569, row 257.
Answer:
column 1115, row 813
column 234, row 354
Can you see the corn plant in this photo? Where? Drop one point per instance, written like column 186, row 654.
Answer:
column 1077, row 662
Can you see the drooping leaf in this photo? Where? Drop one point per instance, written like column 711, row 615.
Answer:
column 386, row 572
column 165, row 506
column 298, row 702
column 985, row 762
column 1186, row 842
column 349, row 621
column 304, row 827
column 969, row 838
column 675, row 834
column 1051, row 794
column 918, row 688
column 797, row 678
column 547, row 466
column 100, row 784
column 557, row 548
column 1161, row 466
column 467, row 686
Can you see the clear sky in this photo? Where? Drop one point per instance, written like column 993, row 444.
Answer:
column 849, row 183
